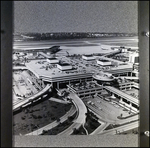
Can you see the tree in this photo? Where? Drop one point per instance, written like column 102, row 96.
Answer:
column 58, row 119
column 66, row 94
column 87, row 114
column 44, row 132
column 70, row 118
column 75, row 131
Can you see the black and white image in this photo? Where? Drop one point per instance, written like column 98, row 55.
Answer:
column 75, row 83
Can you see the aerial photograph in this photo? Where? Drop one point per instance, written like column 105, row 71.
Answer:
column 75, row 83
column 60, row 90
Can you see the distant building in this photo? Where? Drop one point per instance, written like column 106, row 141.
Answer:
column 136, row 66
column 52, row 60
column 103, row 62
column 88, row 57
column 48, row 53
column 15, row 57
column 30, row 54
column 124, row 49
column 64, row 66
column 120, row 69
column 134, row 57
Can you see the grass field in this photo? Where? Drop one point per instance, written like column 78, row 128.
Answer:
column 32, row 118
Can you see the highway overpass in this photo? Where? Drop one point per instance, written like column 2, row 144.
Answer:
column 29, row 100
column 81, row 114
column 122, row 94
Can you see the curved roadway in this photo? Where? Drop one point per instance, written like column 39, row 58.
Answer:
column 27, row 100
column 120, row 129
column 80, row 120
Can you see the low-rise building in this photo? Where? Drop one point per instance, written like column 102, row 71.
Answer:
column 64, row 66
column 124, row 50
column 103, row 62
column 52, row 60
column 88, row 57
column 134, row 57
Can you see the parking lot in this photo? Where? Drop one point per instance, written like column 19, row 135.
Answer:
column 23, row 85
column 107, row 110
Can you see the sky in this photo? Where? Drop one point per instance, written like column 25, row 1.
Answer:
column 76, row 16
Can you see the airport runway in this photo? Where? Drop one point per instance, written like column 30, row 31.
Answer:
column 80, row 46
column 74, row 42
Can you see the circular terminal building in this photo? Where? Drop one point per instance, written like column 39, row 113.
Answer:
column 102, row 78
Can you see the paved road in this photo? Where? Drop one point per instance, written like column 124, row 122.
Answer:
column 102, row 115
column 82, row 110
column 22, row 102
column 113, row 52
column 122, row 94
column 105, row 113
column 100, row 128
column 120, row 129
column 20, row 67
column 127, row 120
column 80, row 119
column 58, row 100
column 69, row 130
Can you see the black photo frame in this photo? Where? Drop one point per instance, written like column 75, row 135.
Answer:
column 7, row 138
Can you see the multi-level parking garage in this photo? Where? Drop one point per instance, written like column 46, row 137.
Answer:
column 84, row 89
